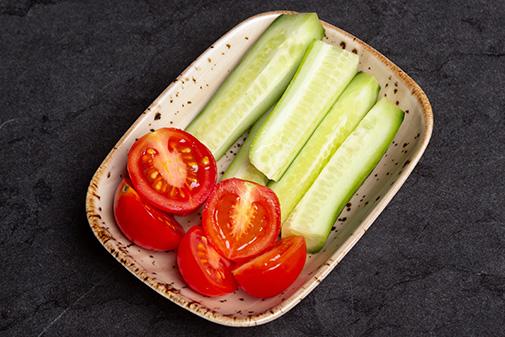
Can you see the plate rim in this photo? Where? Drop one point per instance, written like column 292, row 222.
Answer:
column 252, row 320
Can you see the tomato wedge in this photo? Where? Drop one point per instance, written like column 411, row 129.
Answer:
column 241, row 218
column 172, row 170
column 272, row 272
column 203, row 269
column 142, row 224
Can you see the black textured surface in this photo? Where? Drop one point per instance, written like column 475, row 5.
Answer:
column 74, row 75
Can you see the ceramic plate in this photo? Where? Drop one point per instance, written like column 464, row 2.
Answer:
column 181, row 102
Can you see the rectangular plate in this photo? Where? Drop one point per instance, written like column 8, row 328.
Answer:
column 182, row 101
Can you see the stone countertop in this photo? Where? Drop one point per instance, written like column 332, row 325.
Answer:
column 75, row 74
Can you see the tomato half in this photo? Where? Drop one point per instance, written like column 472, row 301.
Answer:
column 142, row 224
column 272, row 272
column 241, row 218
column 203, row 269
column 172, row 170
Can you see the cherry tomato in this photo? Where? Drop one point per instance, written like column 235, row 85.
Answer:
column 203, row 269
column 272, row 272
column 142, row 224
column 241, row 218
column 172, row 170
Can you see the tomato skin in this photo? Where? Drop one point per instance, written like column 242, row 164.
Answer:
column 272, row 272
column 196, row 170
column 199, row 275
column 241, row 218
column 142, row 224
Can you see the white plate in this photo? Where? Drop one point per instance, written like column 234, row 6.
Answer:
column 181, row 102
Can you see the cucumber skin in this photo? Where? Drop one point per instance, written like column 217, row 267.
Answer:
column 241, row 167
column 289, row 34
column 351, row 106
column 284, row 103
column 332, row 204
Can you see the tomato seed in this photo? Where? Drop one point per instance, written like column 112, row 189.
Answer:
column 172, row 192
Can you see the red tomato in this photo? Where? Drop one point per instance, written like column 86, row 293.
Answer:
column 172, row 170
column 241, row 218
column 203, row 269
column 142, row 224
column 272, row 272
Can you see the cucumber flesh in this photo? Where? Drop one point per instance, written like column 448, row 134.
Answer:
column 343, row 174
column 356, row 100
column 241, row 167
column 320, row 79
column 256, row 83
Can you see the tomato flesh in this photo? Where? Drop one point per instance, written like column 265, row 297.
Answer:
column 172, row 170
column 201, row 266
column 241, row 218
column 142, row 224
column 273, row 272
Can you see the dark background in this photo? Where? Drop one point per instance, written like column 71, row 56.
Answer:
column 75, row 74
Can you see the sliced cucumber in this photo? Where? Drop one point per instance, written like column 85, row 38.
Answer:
column 358, row 97
column 256, row 83
column 241, row 167
column 319, row 80
column 343, row 174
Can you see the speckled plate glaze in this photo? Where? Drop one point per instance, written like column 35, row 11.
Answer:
column 181, row 102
